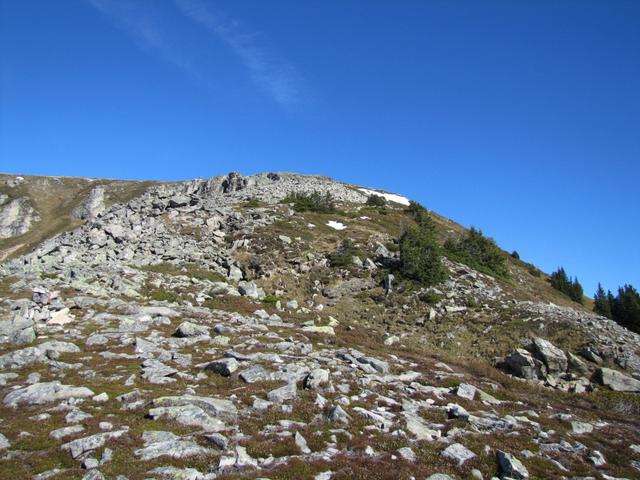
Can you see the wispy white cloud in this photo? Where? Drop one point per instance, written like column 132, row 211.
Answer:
column 153, row 34
column 146, row 30
column 269, row 70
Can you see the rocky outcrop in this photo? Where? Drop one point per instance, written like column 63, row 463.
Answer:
column 16, row 218
column 92, row 207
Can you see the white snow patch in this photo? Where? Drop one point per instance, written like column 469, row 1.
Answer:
column 311, row 225
column 336, row 225
column 392, row 197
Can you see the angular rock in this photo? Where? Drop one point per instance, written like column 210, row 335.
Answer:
column 283, row 394
column 511, row 467
column 464, row 390
column 224, row 366
column 458, row 453
column 554, row 359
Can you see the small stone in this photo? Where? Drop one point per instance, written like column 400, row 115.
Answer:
column 4, row 442
column 597, row 458
column 103, row 397
column 407, row 454
column 90, row 463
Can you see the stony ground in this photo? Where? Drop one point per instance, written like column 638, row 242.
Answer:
column 200, row 331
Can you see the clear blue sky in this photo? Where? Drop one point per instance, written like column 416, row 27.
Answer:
column 519, row 117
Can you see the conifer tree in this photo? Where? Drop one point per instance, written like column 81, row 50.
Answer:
column 602, row 303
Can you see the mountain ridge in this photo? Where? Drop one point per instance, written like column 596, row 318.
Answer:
column 170, row 297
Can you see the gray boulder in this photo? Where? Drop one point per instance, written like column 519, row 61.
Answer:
column 511, row 467
column 522, row 364
column 617, row 381
column 554, row 359
column 188, row 329
column 224, row 366
column 251, row 290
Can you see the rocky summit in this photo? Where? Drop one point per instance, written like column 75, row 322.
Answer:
column 223, row 329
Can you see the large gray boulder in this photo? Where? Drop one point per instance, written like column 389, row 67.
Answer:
column 617, row 381
column 554, row 359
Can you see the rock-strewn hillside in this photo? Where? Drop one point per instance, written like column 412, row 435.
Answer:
column 200, row 330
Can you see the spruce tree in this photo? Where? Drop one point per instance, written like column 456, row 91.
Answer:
column 420, row 254
column 601, row 302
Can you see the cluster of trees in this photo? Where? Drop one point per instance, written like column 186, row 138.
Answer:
column 624, row 308
column 376, row 201
column 479, row 252
column 420, row 253
column 571, row 287
column 311, row 202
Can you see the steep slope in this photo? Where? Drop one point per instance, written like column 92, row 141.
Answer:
column 201, row 330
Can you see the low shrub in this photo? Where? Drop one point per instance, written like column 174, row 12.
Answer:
column 271, row 299
column 430, row 297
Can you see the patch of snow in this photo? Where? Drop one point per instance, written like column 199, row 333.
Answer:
column 311, row 225
column 336, row 225
column 392, row 197
column 364, row 218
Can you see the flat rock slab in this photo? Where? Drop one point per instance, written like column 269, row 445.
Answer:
column 40, row 393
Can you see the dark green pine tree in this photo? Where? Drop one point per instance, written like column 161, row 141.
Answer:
column 601, row 302
column 626, row 308
column 576, row 292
